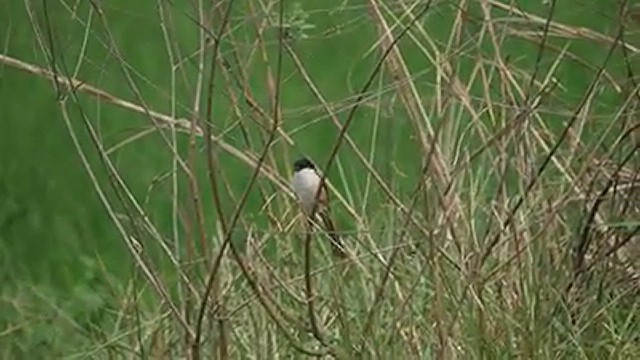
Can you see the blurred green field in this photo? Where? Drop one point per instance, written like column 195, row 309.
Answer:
column 50, row 213
column 60, row 254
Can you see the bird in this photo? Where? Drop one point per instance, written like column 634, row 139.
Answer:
column 314, row 200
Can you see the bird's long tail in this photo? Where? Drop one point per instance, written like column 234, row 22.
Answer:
column 336, row 243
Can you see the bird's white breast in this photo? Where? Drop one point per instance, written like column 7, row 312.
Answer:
column 305, row 184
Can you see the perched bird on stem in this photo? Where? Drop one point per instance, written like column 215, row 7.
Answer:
column 314, row 200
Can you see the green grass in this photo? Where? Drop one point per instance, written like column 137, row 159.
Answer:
column 515, row 236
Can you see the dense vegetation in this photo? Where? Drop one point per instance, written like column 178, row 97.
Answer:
column 483, row 157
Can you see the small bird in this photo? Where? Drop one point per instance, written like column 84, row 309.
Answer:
column 306, row 182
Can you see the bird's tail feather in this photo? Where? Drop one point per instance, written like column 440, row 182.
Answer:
column 336, row 243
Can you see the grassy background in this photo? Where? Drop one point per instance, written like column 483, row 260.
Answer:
column 68, row 280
